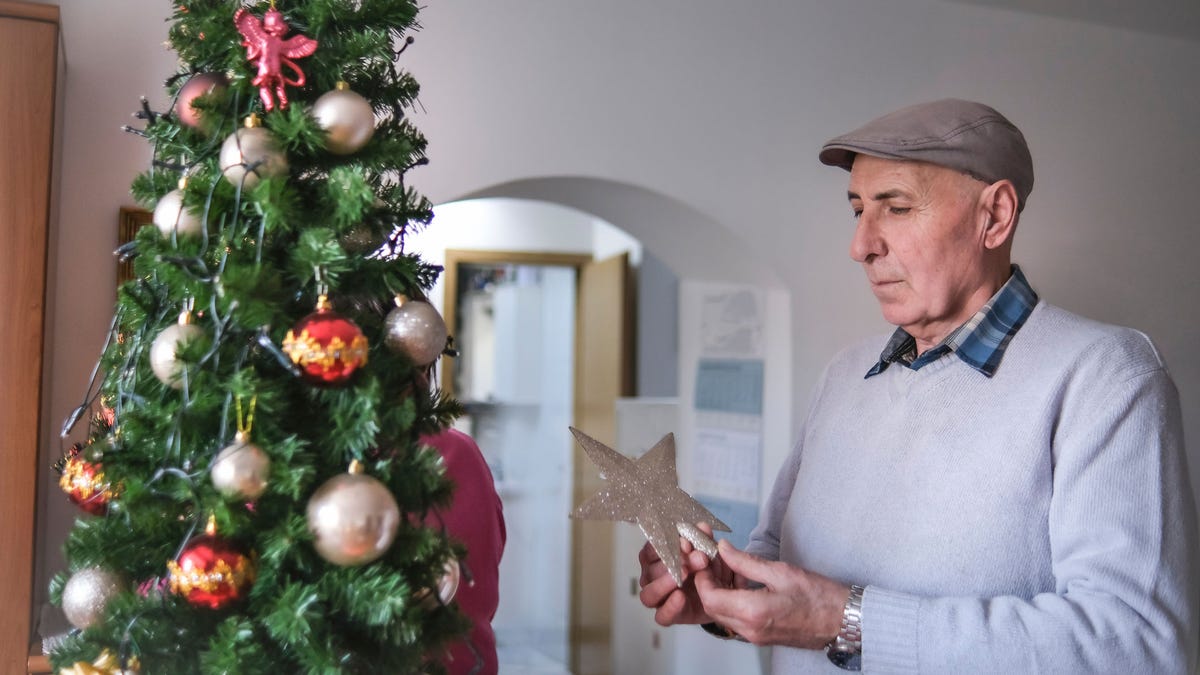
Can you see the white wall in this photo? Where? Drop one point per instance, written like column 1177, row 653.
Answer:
column 720, row 108
column 505, row 224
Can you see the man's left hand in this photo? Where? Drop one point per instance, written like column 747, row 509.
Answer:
column 794, row 607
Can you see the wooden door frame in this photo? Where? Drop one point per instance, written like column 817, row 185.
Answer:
column 24, row 391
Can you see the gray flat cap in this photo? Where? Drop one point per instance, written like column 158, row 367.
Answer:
column 962, row 135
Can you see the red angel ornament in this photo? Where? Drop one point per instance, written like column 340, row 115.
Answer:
column 265, row 43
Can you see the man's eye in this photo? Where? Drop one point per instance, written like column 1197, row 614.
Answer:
column 857, row 213
column 899, row 210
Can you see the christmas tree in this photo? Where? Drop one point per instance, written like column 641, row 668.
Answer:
column 257, row 496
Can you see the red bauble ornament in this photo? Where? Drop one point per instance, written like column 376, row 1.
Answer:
column 265, row 45
column 84, row 481
column 211, row 571
column 327, row 346
column 201, row 84
column 106, row 417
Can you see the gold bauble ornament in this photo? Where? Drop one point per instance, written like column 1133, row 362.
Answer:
column 415, row 329
column 251, row 154
column 353, row 518
column 170, row 215
column 87, row 593
column 241, row 469
column 346, row 117
column 447, row 586
column 361, row 239
column 164, row 349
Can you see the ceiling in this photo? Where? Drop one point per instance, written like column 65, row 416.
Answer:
column 1172, row 18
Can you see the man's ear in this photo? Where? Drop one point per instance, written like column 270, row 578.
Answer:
column 998, row 202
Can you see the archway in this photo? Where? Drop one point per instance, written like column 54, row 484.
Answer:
column 681, row 240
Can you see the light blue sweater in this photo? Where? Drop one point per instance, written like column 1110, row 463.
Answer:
column 1040, row 521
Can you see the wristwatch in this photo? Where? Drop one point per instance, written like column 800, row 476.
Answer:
column 845, row 651
column 715, row 629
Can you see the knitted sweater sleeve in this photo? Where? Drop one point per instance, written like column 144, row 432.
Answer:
column 764, row 539
column 1124, row 556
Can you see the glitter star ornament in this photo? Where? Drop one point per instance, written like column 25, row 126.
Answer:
column 646, row 491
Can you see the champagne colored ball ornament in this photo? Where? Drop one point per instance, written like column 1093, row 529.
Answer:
column 353, row 518
column 201, row 84
column 211, row 571
column 346, row 117
column 241, row 469
column 87, row 593
column 361, row 239
column 84, row 482
column 365, row 238
column 163, row 351
column 170, row 215
column 327, row 346
column 447, row 586
column 415, row 329
column 251, row 154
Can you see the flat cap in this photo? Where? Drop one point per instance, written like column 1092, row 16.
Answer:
column 963, row 135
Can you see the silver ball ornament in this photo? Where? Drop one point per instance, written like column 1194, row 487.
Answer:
column 353, row 518
column 241, row 469
column 251, row 154
column 87, row 593
column 163, row 359
column 346, row 117
column 171, row 216
column 415, row 329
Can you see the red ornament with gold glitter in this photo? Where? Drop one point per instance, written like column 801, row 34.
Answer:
column 327, row 346
column 83, row 481
column 211, row 571
column 265, row 45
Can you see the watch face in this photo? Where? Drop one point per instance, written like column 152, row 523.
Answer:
column 846, row 660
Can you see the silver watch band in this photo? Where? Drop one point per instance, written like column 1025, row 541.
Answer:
column 845, row 651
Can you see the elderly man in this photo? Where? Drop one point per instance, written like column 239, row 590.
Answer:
column 1001, row 490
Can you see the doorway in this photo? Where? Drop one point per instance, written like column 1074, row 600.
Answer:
column 512, row 315
column 546, row 343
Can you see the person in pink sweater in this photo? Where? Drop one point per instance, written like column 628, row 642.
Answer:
column 475, row 518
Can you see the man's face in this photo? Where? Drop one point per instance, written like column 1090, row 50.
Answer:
column 919, row 237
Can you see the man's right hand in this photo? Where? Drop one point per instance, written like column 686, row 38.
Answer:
column 671, row 604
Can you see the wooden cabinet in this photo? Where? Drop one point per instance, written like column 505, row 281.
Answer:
column 29, row 68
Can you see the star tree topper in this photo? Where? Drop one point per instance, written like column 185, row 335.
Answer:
column 646, row 491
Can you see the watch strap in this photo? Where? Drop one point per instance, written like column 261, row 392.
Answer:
column 845, row 651
column 718, row 630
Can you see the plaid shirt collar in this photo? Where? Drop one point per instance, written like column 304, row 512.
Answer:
column 980, row 342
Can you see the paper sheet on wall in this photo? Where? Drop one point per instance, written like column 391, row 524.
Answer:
column 728, row 441
column 731, row 323
column 727, row 463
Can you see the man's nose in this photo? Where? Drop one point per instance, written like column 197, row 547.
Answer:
column 866, row 242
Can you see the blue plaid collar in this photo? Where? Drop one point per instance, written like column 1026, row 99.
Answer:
column 980, row 342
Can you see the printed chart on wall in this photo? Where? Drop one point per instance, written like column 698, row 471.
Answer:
column 728, row 408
